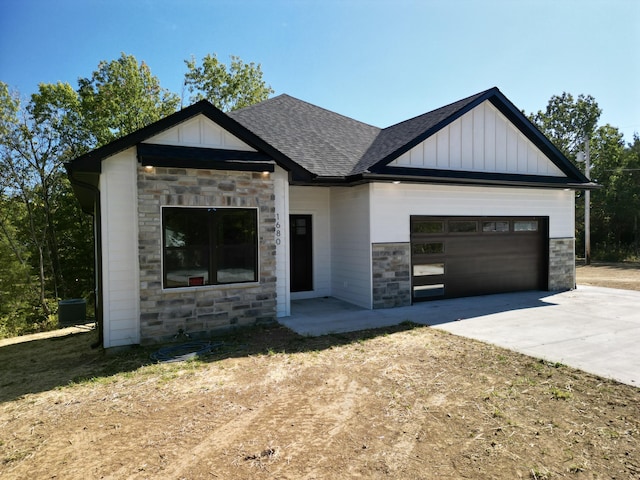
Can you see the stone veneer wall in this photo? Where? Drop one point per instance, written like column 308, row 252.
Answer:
column 562, row 264
column 391, row 269
column 163, row 313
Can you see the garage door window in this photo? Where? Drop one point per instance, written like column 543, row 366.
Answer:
column 428, row 291
column 428, row 269
column 428, row 248
column 525, row 226
column 495, row 226
column 428, row 227
column 461, row 226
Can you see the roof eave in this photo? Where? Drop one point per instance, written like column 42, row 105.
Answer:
column 507, row 108
column 91, row 161
column 451, row 177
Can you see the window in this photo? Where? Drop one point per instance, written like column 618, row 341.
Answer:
column 428, row 269
column 462, row 226
column 428, row 248
column 428, row 227
column 426, row 291
column 525, row 226
column 495, row 226
column 209, row 246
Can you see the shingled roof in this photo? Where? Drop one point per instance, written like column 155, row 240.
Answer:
column 336, row 148
column 318, row 146
column 324, row 142
column 332, row 145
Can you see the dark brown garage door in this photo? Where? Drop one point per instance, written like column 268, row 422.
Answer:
column 465, row 256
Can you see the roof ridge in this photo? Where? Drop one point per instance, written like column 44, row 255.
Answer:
column 401, row 136
column 462, row 101
column 313, row 105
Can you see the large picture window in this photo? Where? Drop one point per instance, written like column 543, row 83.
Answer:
column 209, row 246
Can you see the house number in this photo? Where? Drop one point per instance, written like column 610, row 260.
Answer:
column 277, row 229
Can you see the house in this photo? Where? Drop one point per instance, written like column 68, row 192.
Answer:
column 204, row 220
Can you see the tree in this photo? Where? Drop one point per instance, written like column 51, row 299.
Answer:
column 238, row 86
column 121, row 97
column 567, row 121
column 36, row 138
column 46, row 243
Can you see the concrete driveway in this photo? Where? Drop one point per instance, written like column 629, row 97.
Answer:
column 591, row 328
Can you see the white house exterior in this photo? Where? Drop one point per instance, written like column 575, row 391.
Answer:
column 206, row 220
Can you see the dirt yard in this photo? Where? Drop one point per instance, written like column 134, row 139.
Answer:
column 613, row 275
column 404, row 403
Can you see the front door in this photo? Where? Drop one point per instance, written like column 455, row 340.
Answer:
column 301, row 253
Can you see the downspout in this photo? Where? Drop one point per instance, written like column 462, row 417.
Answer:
column 97, row 234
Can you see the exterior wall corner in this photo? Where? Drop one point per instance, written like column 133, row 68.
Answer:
column 562, row 264
column 391, row 271
column 201, row 310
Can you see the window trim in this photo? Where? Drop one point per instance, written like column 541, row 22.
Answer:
column 247, row 284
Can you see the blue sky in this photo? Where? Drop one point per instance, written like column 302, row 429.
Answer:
column 378, row 61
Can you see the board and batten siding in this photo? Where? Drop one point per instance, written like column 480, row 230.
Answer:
column 393, row 206
column 315, row 201
column 482, row 140
column 351, row 245
column 200, row 132
column 281, row 192
column 120, row 272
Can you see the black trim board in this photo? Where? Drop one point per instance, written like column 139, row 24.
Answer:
column 203, row 158
column 515, row 116
column 91, row 161
column 478, row 178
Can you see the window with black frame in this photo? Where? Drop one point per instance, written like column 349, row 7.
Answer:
column 209, row 246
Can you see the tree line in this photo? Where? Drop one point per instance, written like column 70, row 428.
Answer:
column 568, row 122
column 46, row 242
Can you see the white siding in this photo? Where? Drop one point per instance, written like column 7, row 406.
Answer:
column 351, row 245
column 314, row 201
column 200, row 132
column 281, row 191
column 120, row 272
column 482, row 140
column 392, row 205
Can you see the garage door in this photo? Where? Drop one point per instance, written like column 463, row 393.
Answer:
column 465, row 256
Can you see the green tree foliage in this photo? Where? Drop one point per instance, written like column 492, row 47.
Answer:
column 228, row 88
column 46, row 242
column 616, row 212
column 615, row 208
column 121, row 97
column 567, row 121
column 38, row 209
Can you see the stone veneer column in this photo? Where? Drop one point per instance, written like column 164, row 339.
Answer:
column 164, row 312
column 391, row 269
column 562, row 264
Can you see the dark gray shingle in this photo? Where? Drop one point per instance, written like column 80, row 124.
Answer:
column 331, row 145
column 324, row 142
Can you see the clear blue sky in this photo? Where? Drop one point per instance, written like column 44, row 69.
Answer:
column 378, row 61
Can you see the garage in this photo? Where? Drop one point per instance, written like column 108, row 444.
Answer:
column 465, row 256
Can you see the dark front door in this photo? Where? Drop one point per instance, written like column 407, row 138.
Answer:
column 301, row 253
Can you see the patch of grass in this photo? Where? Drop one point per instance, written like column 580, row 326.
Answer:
column 539, row 474
column 559, row 394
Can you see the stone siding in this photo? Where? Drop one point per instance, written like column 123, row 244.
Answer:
column 391, row 268
column 199, row 310
column 562, row 264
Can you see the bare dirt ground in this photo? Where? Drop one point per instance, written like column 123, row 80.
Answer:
column 406, row 402
column 613, row 275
